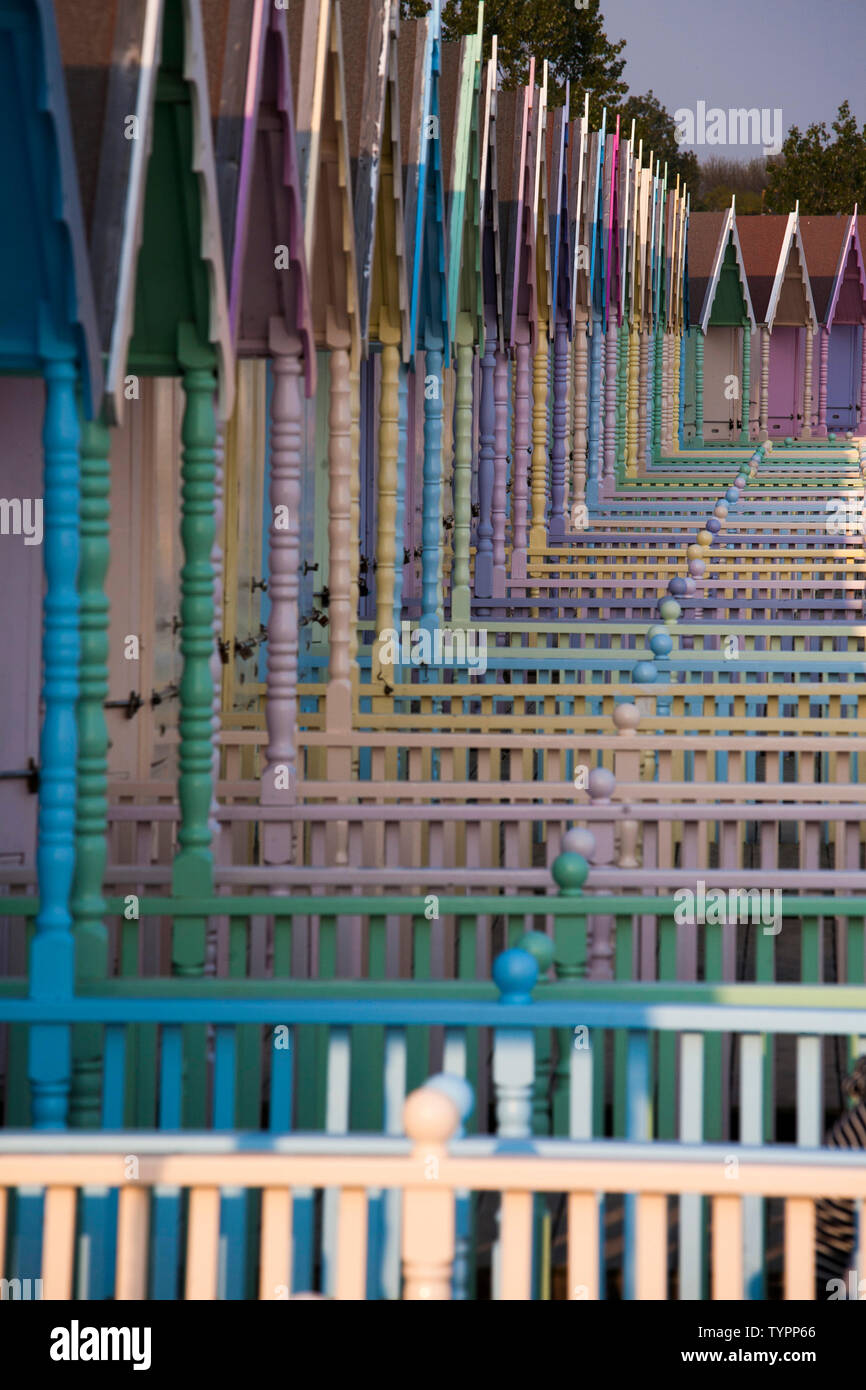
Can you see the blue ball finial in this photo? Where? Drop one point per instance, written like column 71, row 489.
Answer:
column 732, row 495
column 570, row 872
column 455, row 1087
column 515, row 974
column 661, row 643
column 645, row 672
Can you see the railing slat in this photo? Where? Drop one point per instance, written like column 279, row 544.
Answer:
column 132, row 1243
column 799, row 1248
column 350, row 1279
column 58, row 1243
column 651, row 1232
column 727, row 1248
column 202, row 1243
column 583, row 1245
column 275, row 1270
column 515, row 1219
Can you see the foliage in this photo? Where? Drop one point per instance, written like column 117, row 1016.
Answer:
column 826, row 173
column 721, row 179
column 657, row 128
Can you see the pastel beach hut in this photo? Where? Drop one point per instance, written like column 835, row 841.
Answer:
column 718, row 347
column 834, row 259
column 784, row 312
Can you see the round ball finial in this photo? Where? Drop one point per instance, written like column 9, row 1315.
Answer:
column 676, row 586
column 739, row 482
column 694, row 551
column 714, row 526
column 570, row 872
column 539, row 946
column 579, row 840
column 696, row 568
column 732, row 495
column 831, row 437
column 720, row 510
column 430, row 1117
column 457, row 1088
column 645, row 672
column 601, row 784
column 669, row 609
column 705, row 538
column 515, row 973
column 788, row 440
column 693, row 588
column 661, row 643
column 626, row 716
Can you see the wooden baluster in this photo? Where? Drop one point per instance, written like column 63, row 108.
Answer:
column 610, row 393
column 52, row 949
column 280, row 771
column 823, row 368
column 386, row 513
column 765, row 382
column 602, row 948
column 430, row 1119
column 431, row 526
column 862, row 426
column 520, row 461
column 355, row 524
column 558, row 433
column 192, row 871
column 515, row 973
column 681, row 389
column 500, row 470
column 658, row 386
column 621, row 398
column 402, row 467
column 806, row 431
column 746, row 393
column 486, row 471
column 647, row 440
column 538, row 529
column 460, row 599
column 91, row 811
column 632, row 401
column 699, row 389
column 595, row 420
column 342, row 544
column 578, row 486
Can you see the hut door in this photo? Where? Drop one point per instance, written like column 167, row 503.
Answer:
column 842, row 376
column 21, row 405
column 785, row 372
column 721, row 413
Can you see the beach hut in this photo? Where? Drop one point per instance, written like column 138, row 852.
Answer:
column 718, row 352
column 784, row 312
column 834, row 260
column 558, row 133
column 51, row 380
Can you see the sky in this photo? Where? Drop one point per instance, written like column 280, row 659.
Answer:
column 800, row 57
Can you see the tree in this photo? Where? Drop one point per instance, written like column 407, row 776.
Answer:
column 657, row 128
column 827, row 175
column 569, row 34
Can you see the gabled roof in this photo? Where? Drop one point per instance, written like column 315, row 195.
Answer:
column 459, row 95
column 420, row 70
column 516, row 224
column 257, row 173
column 611, row 224
column 180, row 272
column 578, row 141
column 710, row 234
column 560, row 231
column 370, row 29
column 838, row 284
column 767, row 242
column 488, row 193
column 595, row 216
column 625, row 208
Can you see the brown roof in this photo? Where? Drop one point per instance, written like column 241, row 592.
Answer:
column 509, row 114
column 822, row 242
column 705, row 229
column 449, row 95
column 761, row 241
column 85, row 29
column 355, row 18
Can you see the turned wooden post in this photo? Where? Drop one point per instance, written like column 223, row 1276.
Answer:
column 486, row 471
column 806, row 431
column 460, row 596
column 658, row 385
column 699, row 388
column 520, row 461
column 746, row 393
column 602, row 947
column 823, row 366
column 400, row 520
column 632, row 402
column 578, row 483
column 501, row 376
column 863, row 380
column 430, row 1119
column 765, row 383
column 610, row 389
column 279, row 774
column 52, row 950
column 431, row 524
column 647, row 439
column 559, row 430
column 643, row 400
column 538, row 529
column 91, row 809
column 386, row 510
column 355, row 508
column 595, row 407
column 192, row 871
column 621, row 399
